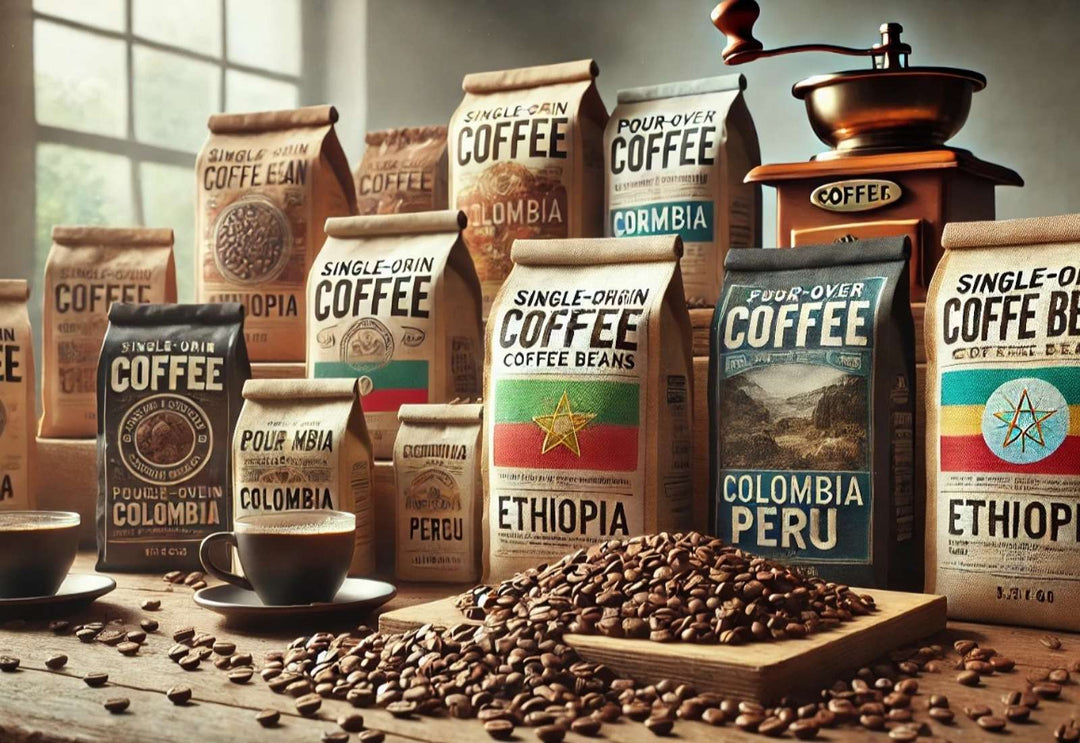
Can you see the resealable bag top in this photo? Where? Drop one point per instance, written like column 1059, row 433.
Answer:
column 266, row 184
column 587, row 402
column 676, row 157
column 88, row 269
column 1003, row 422
column 394, row 301
column 17, row 409
column 169, row 393
column 402, row 170
column 527, row 161
column 811, row 409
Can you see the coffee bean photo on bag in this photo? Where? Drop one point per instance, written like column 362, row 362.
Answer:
column 1003, row 422
column 266, row 183
column 676, row 156
column 811, row 411
column 170, row 378
column 17, row 409
column 402, row 170
column 88, row 269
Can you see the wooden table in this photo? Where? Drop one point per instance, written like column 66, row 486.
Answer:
column 41, row 705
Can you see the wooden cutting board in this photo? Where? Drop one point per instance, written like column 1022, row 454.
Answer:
column 762, row 672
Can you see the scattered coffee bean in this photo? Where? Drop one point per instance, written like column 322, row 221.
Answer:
column 151, row 605
column 176, row 652
column 117, row 705
column 136, row 635
column 941, row 714
column 1047, row 690
column 128, row 648
column 268, row 718
column 1017, row 714
column 360, row 697
column 241, row 675
column 193, row 577
column 240, row 659
column 352, row 722
column 908, row 686
column 900, row 714
column 1051, row 641
column 772, row 727
column 204, row 640
column 179, row 695
column 660, row 725
column 308, row 704
column 222, row 662
column 903, row 734
column 223, row 647
column 587, row 726
column 59, row 626
column 804, row 729
column 937, row 700
column 173, row 576
column 968, row 678
column 56, row 662
column 86, row 635
column 149, row 625
column 550, row 733
column 8, row 663
column 992, row 723
column 1067, row 732
column 499, row 729
column 378, row 736
column 96, row 680
column 189, row 662
column 334, row 736
column 749, row 721
column 198, row 585
column 402, row 709
column 963, row 647
column 1059, row 676
column 872, row 722
column 111, row 637
column 978, row 710
column 1002, row 664
column 184, row 634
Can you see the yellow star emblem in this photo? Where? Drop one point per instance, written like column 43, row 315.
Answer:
column 561, row 427
column 1018, row 429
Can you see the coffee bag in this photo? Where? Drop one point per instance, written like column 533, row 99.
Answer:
column 526, row 161
column 17, row 408
column 676, row 157
column 1003, row 422
column 88, row 269
column 266, row 183
column 439, row 493
column 403, row 170
column 303, row 444
column 169, row 384
column 587, row 399
column 811, row 402
column 394, row 300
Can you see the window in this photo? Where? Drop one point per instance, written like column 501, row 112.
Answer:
column 122, row 92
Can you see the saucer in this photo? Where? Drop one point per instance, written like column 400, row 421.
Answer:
column 76, row 592
column 237, row 603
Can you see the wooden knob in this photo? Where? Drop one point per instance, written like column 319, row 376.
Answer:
column 735, row 19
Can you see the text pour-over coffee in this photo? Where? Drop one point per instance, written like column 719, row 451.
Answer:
column 169, row 393
column 16, row 397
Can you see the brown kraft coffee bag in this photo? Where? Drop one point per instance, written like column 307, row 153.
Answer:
column 17, row 409
column 303, row 444
column 527, row 161
column 403, row 170
column 88, row 269
column 439, row 493
column 169, row 384
column 1003, row 422
column 676, row 158
column 587, row 399
column 266, row 183
column 394, row 301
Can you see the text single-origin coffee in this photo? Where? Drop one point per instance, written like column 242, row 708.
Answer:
column 17, row 408
column 265, row 184
column 587, row 399
column 403, row 170
column 301, row 444
column 811, row 409
column 88, row 269
column 439, row 493
column 1003, row 422
column 676, row 155
column 527, row 161
column 394, row 301
column 169, row 393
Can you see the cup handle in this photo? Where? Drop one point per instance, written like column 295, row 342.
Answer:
column 204, row 557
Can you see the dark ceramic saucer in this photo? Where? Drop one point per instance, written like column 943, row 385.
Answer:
column 356, row 594
column 76, row 592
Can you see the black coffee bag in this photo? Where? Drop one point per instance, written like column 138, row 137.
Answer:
column 811, row 401
column 170, row 379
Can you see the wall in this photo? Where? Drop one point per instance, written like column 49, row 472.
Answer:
column 418, row 51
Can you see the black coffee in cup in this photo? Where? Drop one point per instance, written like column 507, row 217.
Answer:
column 36, row 551
column 288, row 557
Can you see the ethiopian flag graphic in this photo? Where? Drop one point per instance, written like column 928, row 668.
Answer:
column 571, row 425
column 386, row 388
column 1011, row 420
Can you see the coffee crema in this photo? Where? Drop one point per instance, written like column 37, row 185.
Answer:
column 37, row 549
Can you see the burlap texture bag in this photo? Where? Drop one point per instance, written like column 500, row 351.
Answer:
column 17, row 408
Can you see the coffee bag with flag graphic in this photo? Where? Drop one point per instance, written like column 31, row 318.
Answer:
column 587, row 399
column 811, row 409
column 394, row 301
column 1003, row 422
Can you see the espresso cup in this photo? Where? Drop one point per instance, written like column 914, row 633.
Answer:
column 36, row 551
column 288, row 557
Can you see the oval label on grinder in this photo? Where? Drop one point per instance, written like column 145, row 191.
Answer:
column 855, row 195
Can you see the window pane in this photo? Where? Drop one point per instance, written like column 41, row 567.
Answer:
column 77, row 186
column 246, row 92
column 264, row 34
column 102, row 13
column 168, row 194
column 192, row 24
column 174, row 96
column 80, row 80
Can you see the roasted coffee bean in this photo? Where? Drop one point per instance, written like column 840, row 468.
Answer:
column 1059, row 676
column 241, row 675
column 198, row 585
column 551, row 733
column 1020, row 698
column 8, row 663
column 772, row 727
column 977, row 710
column 1047, row 690
column 179, row 695
column 193, row 577
column 184, row 634
column 980, row 667
column 968, row 678
column 904, row 733
column 941, row 714
column 173, row 576
column 136, row 635
column 360, row 697
column 334, row 736
column 937, row 700
column 86, row 635
column 896, row 699
column 222, row 662
column 908, row 686
column 587, row 726
column 900, row 714
column 963, row 647
column 116, row 705
column 111, row 636
column 59, row 626
column 872, row 722
column 223, row 647
column 308, row 704
column 378, row 736
column 351, row 722
column 804, row 729
column 660, row 725
column 749, row 721
column 1002, row 664
column 1051, row 641
column 1067, row 732
column 189, row 662
column 176, row 652
column 151, row 605
column 128, row 648
column 96, row 680
column 268, row 718
column 992, row 723
column 499, row 729
column 402, row 709
column 240, row 659
column 203, row 639
column 1017, row 714
column 56, row 662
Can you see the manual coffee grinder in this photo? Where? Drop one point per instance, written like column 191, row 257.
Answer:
column 889, row 171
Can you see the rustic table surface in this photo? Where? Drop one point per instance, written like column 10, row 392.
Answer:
column 42, row 705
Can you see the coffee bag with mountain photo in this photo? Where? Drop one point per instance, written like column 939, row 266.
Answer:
column 265, row 184
column 394, row 301
column 527, row 161
column 811, row 403
column 302, row 444
column 17, row 409
column 88, row 269
column 677, row 154
column 1003, row 422
column 588, row 396
column 169, row 384
column 403, row 170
